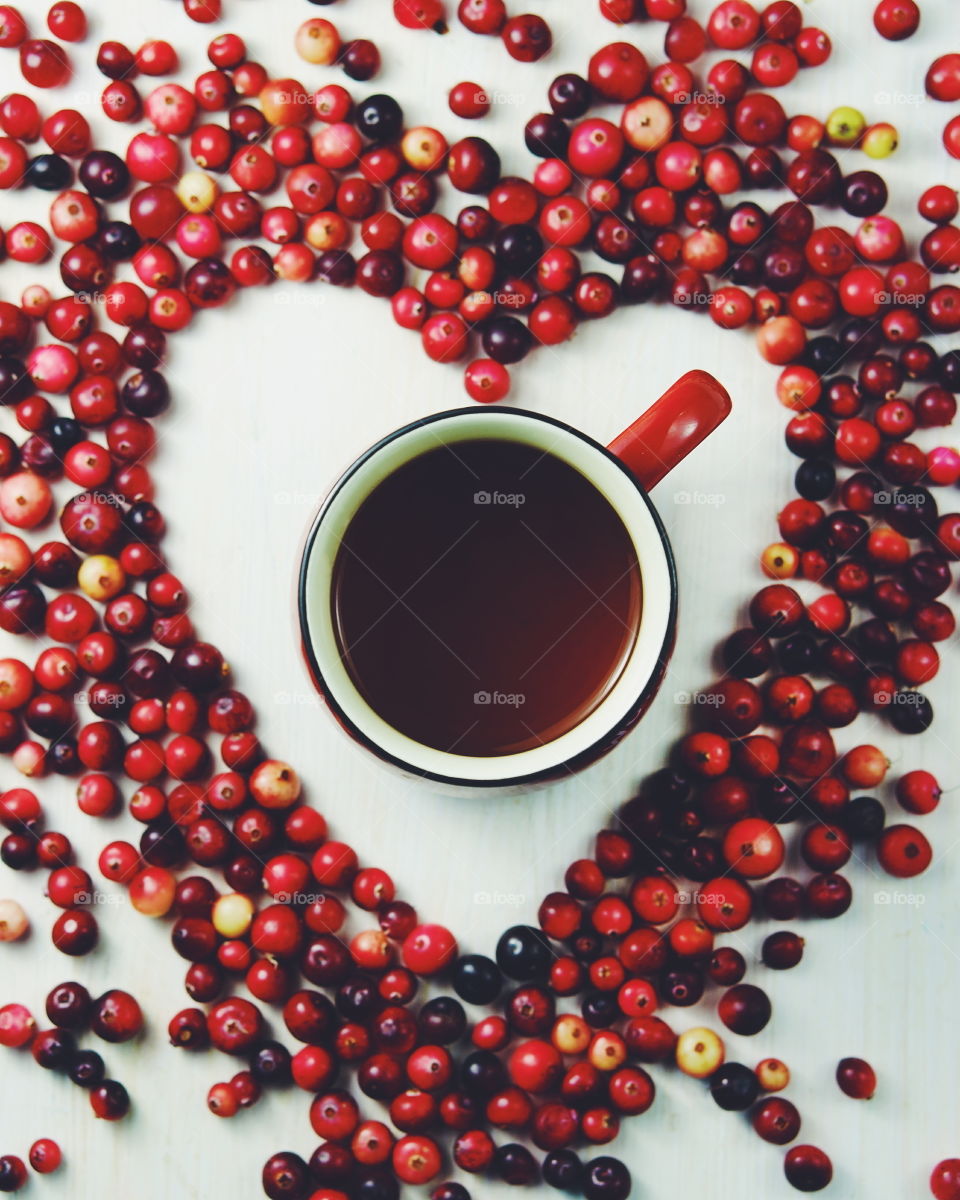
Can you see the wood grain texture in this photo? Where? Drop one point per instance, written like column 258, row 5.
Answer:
column 274, row 396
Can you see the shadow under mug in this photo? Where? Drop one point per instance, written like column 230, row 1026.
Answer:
column 623, row 472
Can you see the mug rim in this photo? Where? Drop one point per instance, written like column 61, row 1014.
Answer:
column 612, row 732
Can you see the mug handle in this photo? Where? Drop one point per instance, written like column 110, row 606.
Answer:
column 671, row 427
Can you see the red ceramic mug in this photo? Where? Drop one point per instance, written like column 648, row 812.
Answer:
column 623, row 472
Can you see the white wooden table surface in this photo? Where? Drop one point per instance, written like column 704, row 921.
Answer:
column 273, row 396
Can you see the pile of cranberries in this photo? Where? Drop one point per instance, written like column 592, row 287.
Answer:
column 494, row 1055
column 527, row 37
column 113, row 1017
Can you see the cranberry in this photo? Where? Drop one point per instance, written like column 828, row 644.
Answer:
column 903, row 851
column 286, row 1176
column 44, row 63
column 115, row 60
column 53, row 1049
column 482, row 16
column 828, row 896
column 75, row 933
column 733, row 25
column 271, row 1064
column 605, row 1178
column 896, row 19
column 334, row 1115
column 759, row 120
column 744, row 1009
column 116, row 1017
column 469, row 101
column 360, row 59
column 943, row 78
column 45, row 1156
column 69, row 1006
column 450, row 1191
column 222, row 1100
column 945, row 1179
column 235, row 1025
column 776, row 1120
column 188, row 1029
column 473, row 1151
column 13, row 1173
column 17, row 1026
column 753, row 848
column 734, row 1087
column 442, row 1020
column 684, row 40
column 856, row 1078
column 86, row 1069
column 918, row 792
column 514, row 1164
column 807, row 1168
column 782, row 950
column 13, row 28
column 158, row 58
column 527, row 37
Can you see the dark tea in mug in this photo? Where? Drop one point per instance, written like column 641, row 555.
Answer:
column 486, row 597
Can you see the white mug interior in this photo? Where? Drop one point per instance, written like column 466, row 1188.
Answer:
column 610, row 478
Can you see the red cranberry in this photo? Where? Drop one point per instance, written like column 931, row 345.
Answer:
column 45, row 1156
column 286, row 1176
column 235, row 1025
column 527, row 37
column 776, row 1120
column 116, row 1017
column 807, row 1168
column 75, row 933
column 828, row 895
column 945, row 1179
column 856, row 1078
column 13, row 1173
column 744, row 1009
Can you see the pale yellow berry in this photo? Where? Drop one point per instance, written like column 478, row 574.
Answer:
column 197, row 191
column 101, row 577
column 14, row 923
column 232, row 915
column 773, row 1074
column 275, row 784
column 317, row 41
column 699, row 1052
column 571, row 1034
column 607, row 1051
